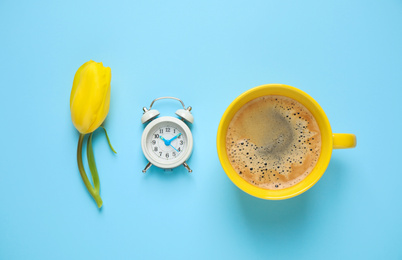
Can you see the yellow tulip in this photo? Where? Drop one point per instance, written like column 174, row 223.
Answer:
column 90, row 96
column 89, row 105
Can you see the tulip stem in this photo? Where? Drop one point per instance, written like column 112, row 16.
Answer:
column 94, row 191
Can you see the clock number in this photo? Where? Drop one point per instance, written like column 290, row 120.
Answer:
column 160, row 153
column 161, row 131
column 174, row 154
column 153, row 142
column 179, row 149
column 174, row 131
column 156, row 136
column 167, row 155
column 155, row 149
column 181, row 142
column 179, row 137
column 167, row 129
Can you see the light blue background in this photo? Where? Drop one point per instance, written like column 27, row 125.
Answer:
column 345, row 54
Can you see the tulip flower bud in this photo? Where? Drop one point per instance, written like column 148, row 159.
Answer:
column 90, row 96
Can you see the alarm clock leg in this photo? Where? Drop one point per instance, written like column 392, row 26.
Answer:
column 187, row 167
column 147, row 167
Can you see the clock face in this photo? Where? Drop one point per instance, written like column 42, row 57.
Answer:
column 167, row 142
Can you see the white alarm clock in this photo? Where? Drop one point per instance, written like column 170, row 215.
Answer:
column 167, row 141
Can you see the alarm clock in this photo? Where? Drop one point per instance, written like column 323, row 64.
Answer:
column 167, row 141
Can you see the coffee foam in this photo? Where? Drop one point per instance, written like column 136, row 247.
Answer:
column 273, row 142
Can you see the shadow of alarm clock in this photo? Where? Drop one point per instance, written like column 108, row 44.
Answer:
column 167, row 141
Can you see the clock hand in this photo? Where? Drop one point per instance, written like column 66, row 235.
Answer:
column 174, row 148
column 167, row 142
column 174, row 137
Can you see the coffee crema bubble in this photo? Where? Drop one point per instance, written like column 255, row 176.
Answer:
column 273, row 142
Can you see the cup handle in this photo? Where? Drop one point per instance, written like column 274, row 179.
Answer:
column 344, row 141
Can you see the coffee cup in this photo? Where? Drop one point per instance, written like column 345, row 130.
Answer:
column 329, row 141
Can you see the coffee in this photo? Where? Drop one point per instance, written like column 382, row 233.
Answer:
column 273, row 142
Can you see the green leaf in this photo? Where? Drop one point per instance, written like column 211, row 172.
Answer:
column 94, row 193
column 108, row 140
column 92, row 164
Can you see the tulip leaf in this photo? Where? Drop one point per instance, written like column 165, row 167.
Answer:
column 108, row 140
column 93, row 191
column 92, row 164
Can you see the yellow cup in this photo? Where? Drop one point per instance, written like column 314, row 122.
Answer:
column 329, row 141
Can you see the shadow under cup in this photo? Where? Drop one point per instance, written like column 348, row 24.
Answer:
column 326, row 141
